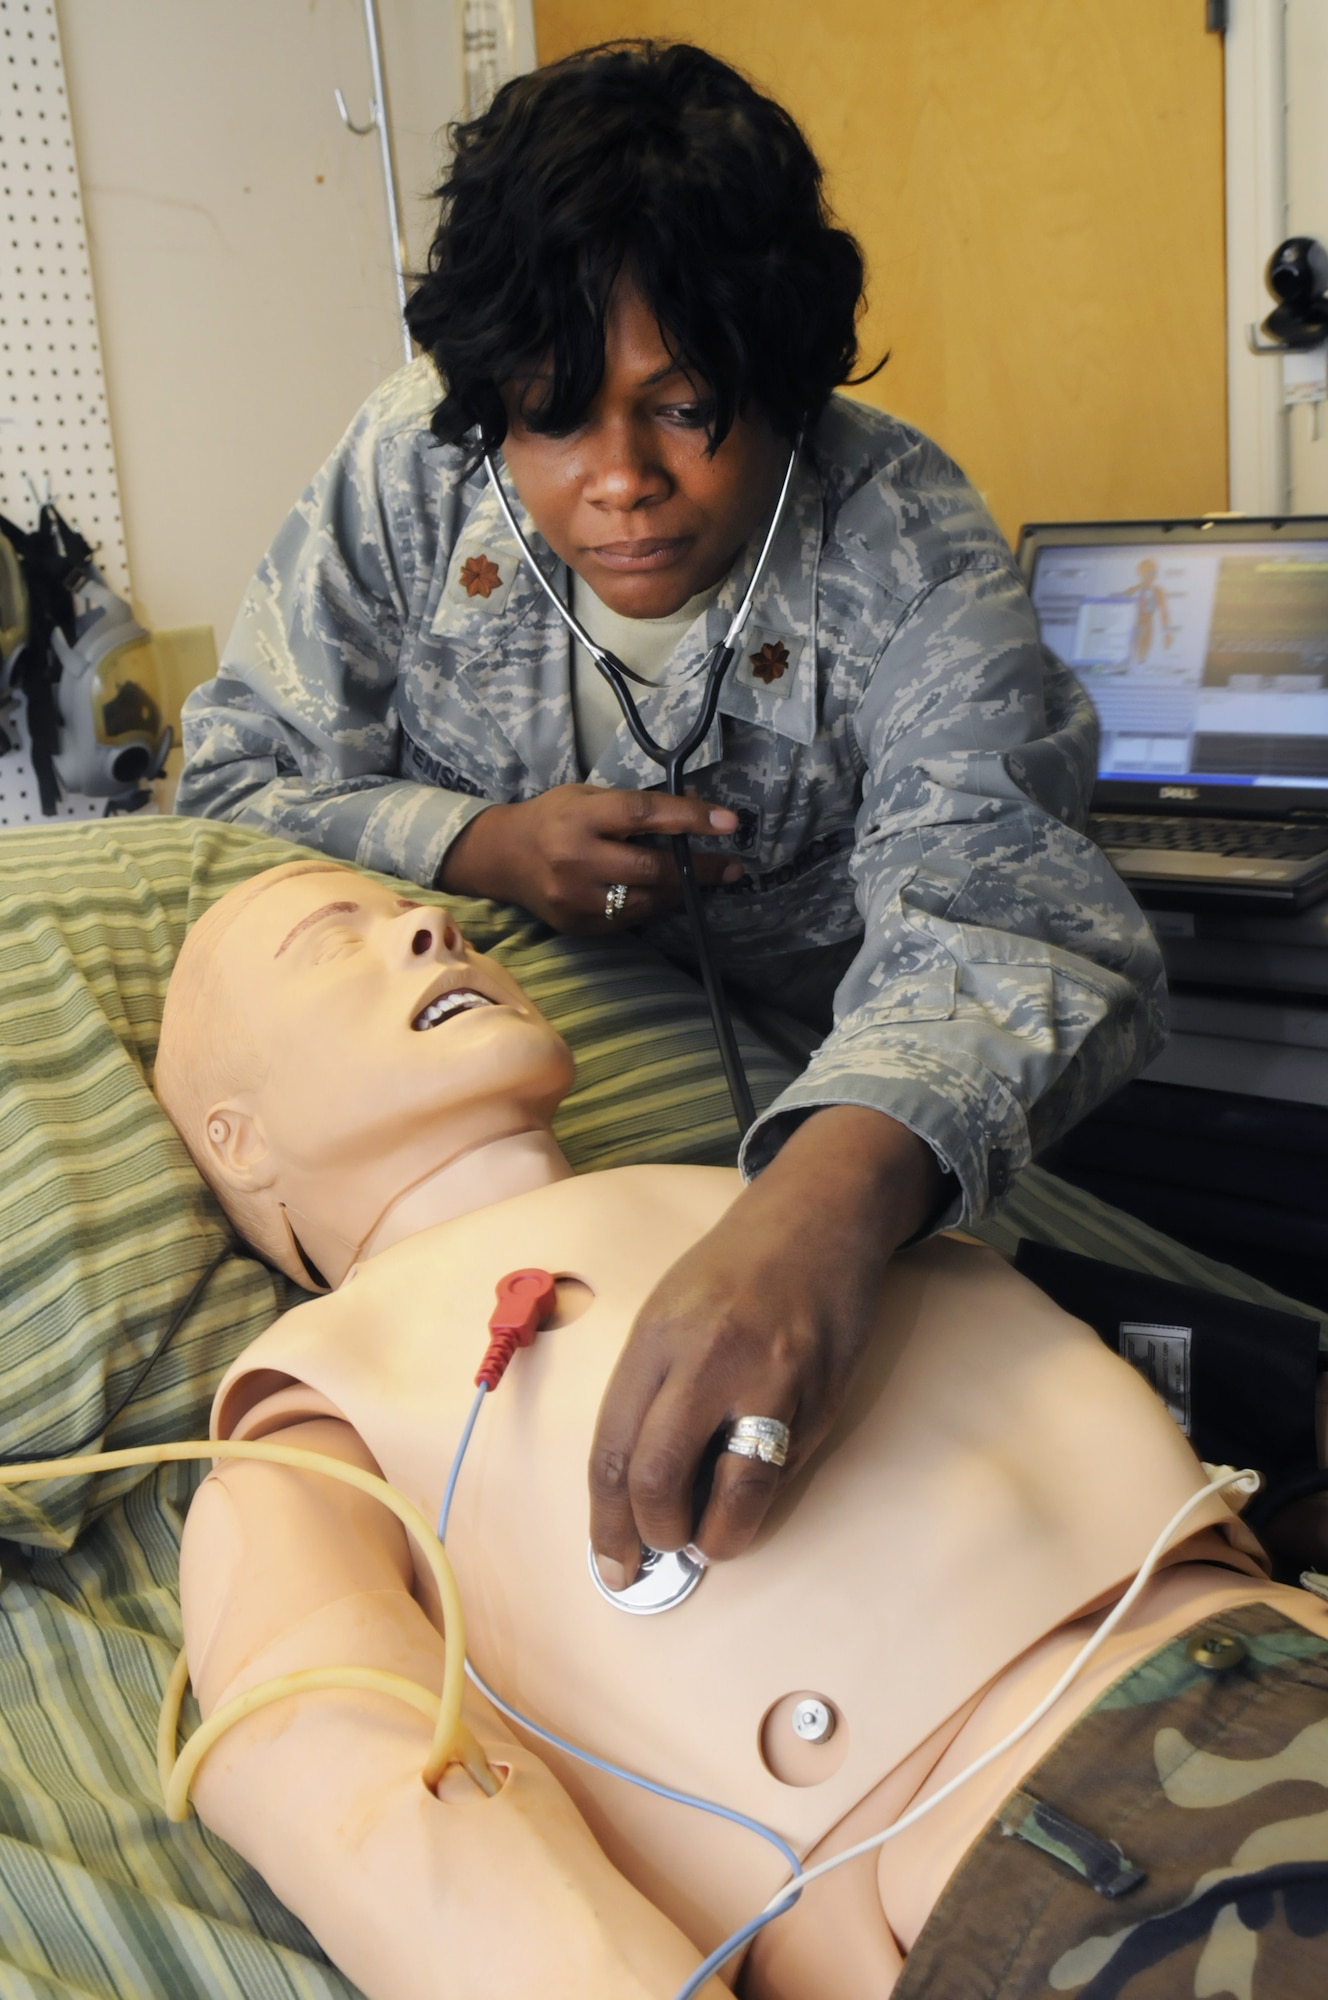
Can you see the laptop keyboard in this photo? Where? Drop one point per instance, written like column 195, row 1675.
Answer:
column 1269, row 838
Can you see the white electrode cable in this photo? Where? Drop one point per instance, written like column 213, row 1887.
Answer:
column 1247, row 1481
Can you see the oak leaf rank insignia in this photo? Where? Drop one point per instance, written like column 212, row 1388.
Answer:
column 771, row 663
column 480, row 576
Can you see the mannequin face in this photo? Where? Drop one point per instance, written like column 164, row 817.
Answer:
column 374, row 1047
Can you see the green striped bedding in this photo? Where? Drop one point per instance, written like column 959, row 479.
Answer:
column 106, row 1228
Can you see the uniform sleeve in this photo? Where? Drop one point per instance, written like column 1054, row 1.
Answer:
column 1007, row 982
column 298, row 734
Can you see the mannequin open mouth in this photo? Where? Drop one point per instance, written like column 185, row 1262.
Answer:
column 447, row 1005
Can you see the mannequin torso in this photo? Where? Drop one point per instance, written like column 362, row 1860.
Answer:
column 943, row 1529
column 367, row 1094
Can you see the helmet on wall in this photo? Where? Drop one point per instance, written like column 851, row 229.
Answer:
column 84, row 666
column 112, row 736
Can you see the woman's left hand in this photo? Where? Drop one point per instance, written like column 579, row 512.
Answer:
column 765, row 1316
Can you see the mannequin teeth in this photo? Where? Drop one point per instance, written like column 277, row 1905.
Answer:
column 448, row 1004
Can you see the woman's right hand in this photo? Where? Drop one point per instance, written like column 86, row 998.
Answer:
column 558, row 855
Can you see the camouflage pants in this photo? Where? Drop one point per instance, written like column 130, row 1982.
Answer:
column 1173, row 1843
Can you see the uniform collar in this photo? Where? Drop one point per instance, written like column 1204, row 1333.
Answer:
column 494, row 611
column 489, row 594
column 489, row 589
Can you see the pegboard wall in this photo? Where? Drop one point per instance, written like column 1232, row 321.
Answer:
column 55, row 433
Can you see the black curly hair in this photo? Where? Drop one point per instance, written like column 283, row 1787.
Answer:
column 657, row 159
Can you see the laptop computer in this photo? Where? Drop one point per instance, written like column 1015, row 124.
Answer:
column 1203, row 645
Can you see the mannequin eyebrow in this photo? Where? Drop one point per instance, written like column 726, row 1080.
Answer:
column 315, row 917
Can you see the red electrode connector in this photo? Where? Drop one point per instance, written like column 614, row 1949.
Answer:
column 525, row 1300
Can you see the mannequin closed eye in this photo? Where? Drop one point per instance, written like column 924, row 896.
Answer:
column 328, row 939
column 334, row 940
column 318, row 917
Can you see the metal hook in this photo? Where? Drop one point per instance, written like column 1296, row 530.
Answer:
column 380, row 121
column 360, row 131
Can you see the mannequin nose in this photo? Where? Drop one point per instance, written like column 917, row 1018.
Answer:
column 427, row 933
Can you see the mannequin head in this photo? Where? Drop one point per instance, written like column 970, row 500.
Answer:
column 328, row 1047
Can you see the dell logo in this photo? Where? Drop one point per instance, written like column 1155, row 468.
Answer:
column 1178, row 791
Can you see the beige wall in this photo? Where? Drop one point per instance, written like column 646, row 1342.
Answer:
column 1306, row 27
column 240, row 256
column 1038, row 187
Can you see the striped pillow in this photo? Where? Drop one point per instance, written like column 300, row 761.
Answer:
column 107, row 1225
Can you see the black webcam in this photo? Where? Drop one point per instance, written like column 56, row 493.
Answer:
column 1297, row 276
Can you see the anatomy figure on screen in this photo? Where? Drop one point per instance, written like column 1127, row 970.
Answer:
column 1150, row 602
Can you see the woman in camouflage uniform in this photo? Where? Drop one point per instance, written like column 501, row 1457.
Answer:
column 637, row 296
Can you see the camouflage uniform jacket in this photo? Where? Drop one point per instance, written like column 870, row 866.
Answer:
column 908, row 765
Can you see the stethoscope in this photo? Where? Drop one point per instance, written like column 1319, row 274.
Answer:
column 672, row 761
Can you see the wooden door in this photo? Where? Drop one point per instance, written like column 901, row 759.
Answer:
column 1038, row 186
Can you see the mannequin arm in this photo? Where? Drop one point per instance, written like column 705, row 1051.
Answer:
column 323, row 1794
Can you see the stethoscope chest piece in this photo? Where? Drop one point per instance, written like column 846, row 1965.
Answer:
column 665, row 1578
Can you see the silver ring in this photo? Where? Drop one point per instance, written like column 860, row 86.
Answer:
column 614, row 901
column 760, row 1437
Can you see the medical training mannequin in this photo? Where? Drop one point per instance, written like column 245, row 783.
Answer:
column 370, row 1098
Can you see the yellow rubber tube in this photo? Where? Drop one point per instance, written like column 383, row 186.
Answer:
column 452, row 1742
column 176, row 1774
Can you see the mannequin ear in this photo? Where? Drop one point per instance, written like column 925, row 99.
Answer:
column 237, row 1148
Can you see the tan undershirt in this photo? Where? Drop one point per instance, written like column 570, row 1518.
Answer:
column 646, row 645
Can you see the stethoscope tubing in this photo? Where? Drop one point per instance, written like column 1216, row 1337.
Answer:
column 672, row 759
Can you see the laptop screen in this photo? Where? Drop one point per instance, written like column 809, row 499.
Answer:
column 1204, row 649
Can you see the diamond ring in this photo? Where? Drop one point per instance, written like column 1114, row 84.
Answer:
column 760, row 1437
column 614, row 900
